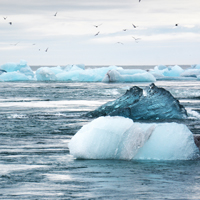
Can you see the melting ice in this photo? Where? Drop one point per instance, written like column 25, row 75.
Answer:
column 121, row 138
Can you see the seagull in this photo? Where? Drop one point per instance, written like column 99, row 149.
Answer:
column 97, row 33
column 47, row 49
column 120, row 43
column 5, row 18
column 97, row 25
column 15, row 44
column 10, row 23
column 134, row 26
column 55, row 14
column 136, row 39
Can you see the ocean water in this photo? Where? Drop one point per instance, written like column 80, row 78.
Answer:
column 38, row 119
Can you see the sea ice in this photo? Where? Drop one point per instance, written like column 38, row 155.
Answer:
column 121, row 138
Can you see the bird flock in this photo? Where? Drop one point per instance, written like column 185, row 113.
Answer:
column 134, row 26
column 15, row 44
column 136, row 39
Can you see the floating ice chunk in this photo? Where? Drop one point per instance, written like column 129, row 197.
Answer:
column 191, row 73
column 74, row 67
column 121, row 138
column 171, row 71
column 13, row 76
column 169, row 141
column 76, row 73
column 47, row 73
column 21, row 67
column 195, row 66
column 160, row 67
column 128, row 76
column 149, row 103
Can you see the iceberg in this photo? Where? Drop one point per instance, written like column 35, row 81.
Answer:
column 76, row 73
column 136, row 103
column 121, row 138
column 190, row 73
column 162, row 71
column 16, row 72
column 128, row 76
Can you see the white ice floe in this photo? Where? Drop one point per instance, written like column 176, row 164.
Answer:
column 128, row 76
column 121, row 138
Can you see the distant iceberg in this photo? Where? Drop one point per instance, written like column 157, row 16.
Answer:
column 134, row 75
column 121, row 138
column 79, row 73
column 164, row 71
column 16, row 72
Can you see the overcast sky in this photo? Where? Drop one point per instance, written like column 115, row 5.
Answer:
column 70, row 35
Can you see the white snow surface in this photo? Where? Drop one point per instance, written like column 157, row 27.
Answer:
column 121, row 138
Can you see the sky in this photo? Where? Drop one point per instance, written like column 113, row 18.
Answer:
column 61, row 32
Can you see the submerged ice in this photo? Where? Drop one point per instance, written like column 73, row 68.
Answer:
column 121, row 138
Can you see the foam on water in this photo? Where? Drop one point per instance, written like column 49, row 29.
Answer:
column 121, row 138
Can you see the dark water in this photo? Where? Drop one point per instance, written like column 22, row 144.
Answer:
column 38, row 119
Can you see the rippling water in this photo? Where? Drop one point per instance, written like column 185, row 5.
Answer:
column 38, row 119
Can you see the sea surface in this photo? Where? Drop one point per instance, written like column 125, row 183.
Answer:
column 38, row 119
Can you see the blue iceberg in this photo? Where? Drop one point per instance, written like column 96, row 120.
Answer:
column 149, row 103
column 16, row 72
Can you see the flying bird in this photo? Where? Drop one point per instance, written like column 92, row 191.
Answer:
column 124, row 29
column 120, row 43
column 97, row 33
column 139, row 0
column 47, row 49
column 136, row 39
column 97, row 25
column 134, row 26
column 55, row 14
column 10, row 23
column 5, row 18
column 176, row 24
column 15, row 44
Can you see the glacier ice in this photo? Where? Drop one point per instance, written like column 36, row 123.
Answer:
column 149, row 103
column 121, row 138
